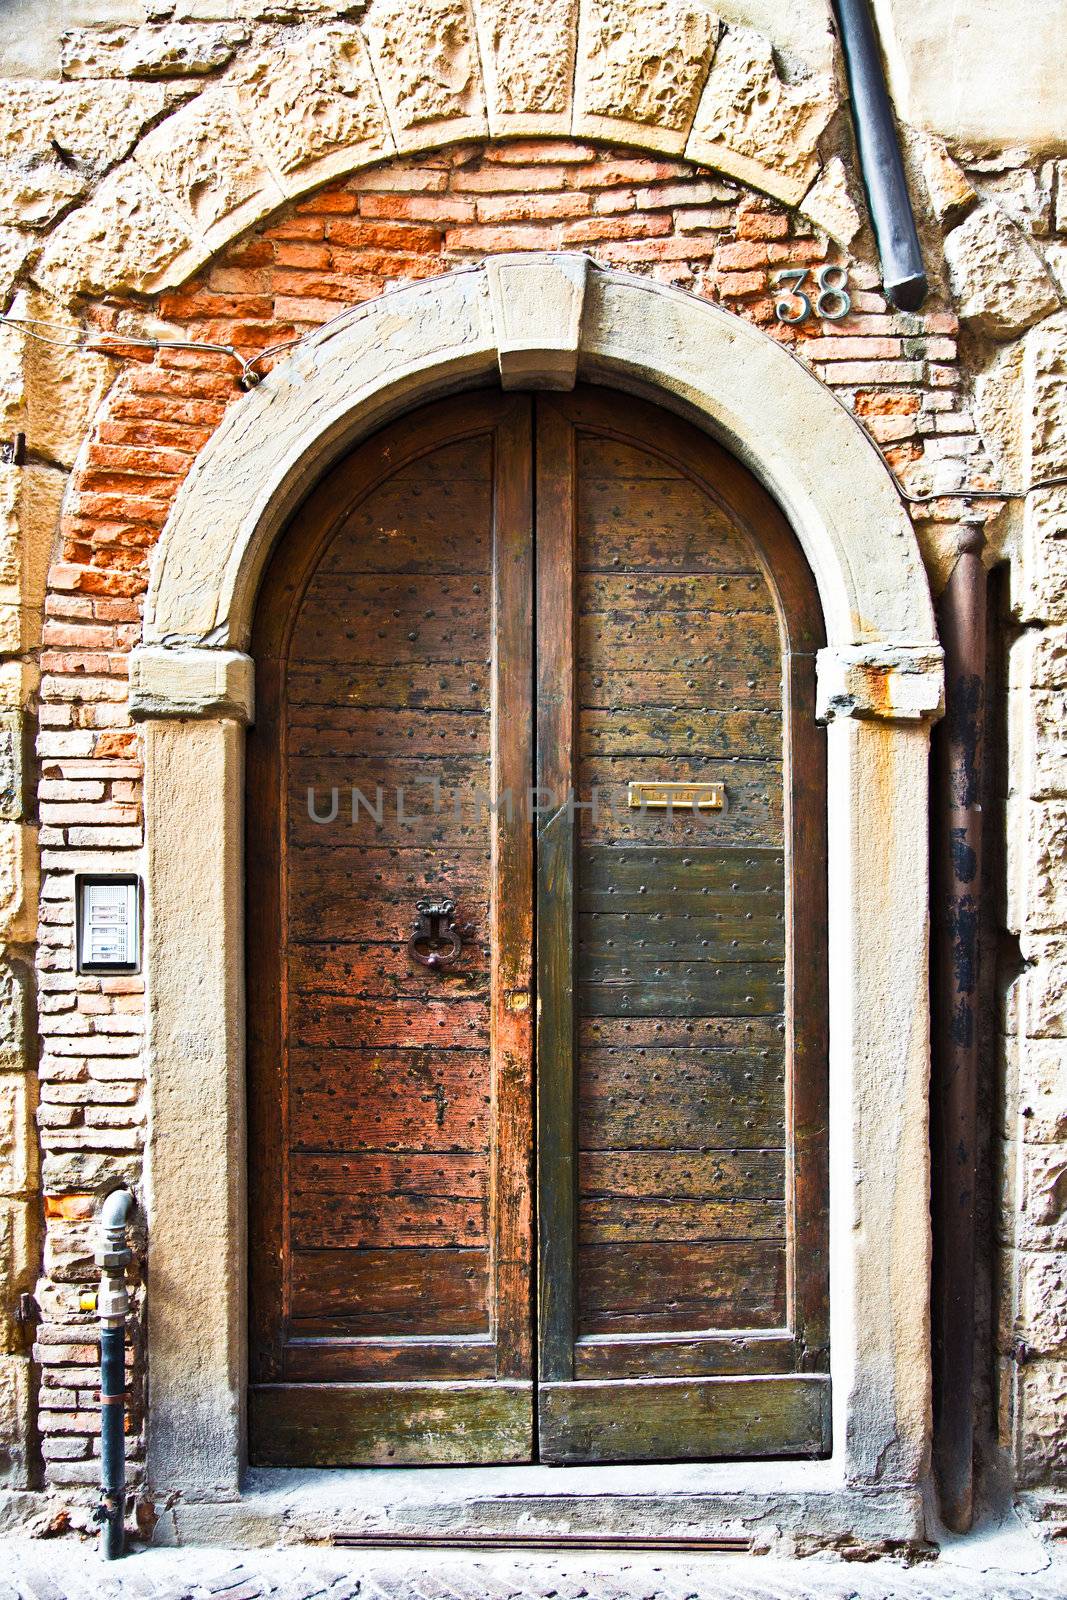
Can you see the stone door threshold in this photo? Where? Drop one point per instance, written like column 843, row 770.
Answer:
column 761, row 1503
column 63, row 1569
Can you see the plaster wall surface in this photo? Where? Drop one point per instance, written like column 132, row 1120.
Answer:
column 981, row 73
column 32, row 31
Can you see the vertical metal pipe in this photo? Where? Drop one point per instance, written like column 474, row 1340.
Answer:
column 113, row 1256
column 957, row 882
column 112, row 1439
column 903, row 275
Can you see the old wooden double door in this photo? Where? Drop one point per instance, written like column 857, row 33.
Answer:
column 537, row 1088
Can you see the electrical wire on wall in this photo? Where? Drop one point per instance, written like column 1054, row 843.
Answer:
column 112, row 344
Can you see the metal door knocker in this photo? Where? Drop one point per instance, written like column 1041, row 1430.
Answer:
column 438, row 939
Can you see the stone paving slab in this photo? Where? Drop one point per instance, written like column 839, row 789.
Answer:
column 67, row 1570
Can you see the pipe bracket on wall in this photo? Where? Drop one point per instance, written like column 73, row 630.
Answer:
column 903, row 274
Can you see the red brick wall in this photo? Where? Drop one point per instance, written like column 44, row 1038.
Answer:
column 411, row 219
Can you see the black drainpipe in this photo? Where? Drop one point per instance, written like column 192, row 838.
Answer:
column 113, row 1256
column 903, row 276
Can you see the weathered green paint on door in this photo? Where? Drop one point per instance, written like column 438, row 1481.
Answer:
column 490, row 621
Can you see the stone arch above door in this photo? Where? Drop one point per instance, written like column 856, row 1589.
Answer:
column 313, row 104
column 527, row 322
column 539, row 321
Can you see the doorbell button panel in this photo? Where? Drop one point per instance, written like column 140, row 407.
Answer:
column 109, row 923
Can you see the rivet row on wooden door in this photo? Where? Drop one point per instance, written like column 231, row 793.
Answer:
column 487, row 628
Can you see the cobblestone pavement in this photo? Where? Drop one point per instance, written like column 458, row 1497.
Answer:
column 65, row 1570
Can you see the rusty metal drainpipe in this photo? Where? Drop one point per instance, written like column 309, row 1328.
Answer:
column 113, row 1256
column 957, row 886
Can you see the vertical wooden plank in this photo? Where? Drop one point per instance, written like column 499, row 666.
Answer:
column 512, row 888
column 807, row 1026
column 556, row 1174
column 265, row 968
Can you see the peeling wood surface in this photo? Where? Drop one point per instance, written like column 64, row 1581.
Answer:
column 669, row 582
column 679, row 1420
column 336, row 1424
column 671, row 590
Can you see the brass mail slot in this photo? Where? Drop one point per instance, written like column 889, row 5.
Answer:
column 672, row 796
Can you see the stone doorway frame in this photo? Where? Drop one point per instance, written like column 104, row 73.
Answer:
column 535, row 321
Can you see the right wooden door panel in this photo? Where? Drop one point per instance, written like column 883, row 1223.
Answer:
column 682, row 1232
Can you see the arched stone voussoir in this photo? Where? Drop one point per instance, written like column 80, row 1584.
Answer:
column 663, row 76
column 538, row 321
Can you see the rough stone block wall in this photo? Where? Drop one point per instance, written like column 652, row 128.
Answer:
column 1033, row 1336
column 191, row 174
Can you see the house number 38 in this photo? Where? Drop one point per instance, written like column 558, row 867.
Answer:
column 832, row 301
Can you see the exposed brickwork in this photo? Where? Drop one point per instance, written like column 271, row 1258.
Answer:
column 412, row 219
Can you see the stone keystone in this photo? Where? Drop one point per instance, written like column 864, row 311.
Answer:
column 536, row 304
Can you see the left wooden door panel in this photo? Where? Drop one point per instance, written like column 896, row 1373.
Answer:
column 390, row 1102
